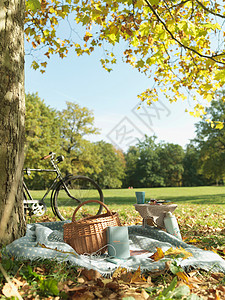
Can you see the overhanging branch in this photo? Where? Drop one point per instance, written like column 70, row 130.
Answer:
column 179, row 42
column 209, row 10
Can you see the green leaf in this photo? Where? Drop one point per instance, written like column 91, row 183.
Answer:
column 180, row 291
column 154, row 2
column 35, row 65
column 50, row 285
column 135, row 41
column 171, row 287
column 174, row 268
column 219, row 125
column 7, row 264
column 140, row 3
column 112, row 38
column 144, row 29
column 33, row 5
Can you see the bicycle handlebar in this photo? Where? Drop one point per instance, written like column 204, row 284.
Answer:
column 48, row 156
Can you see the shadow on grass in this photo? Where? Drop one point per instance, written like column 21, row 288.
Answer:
column 200, row 199
column 218, row 199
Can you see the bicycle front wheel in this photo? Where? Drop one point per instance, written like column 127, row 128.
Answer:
column 73, row 190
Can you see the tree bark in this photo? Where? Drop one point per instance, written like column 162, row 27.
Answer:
column 12, row 115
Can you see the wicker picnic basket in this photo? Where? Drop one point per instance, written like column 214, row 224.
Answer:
column 88, row 235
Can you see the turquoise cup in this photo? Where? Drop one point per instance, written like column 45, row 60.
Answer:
column 140, row 196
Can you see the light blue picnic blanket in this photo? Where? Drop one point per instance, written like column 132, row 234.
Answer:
column 45, row 241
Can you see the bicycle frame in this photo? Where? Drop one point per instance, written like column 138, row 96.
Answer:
column 52, row 186
column 48, row 190
column 59, row 186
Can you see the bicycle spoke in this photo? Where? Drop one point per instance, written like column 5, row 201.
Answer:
column 73, row 191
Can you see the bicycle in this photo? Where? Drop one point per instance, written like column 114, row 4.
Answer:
column 68, row 191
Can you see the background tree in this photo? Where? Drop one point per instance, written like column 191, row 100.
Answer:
column 61, row 132
column 211, row 142
column 12, row 111
column 86, row 162
column 76, row 123
column 171, row 163
column 148, row 169
column 112, row 166
column 131, row 157
column 191, row 176
column 42, row 136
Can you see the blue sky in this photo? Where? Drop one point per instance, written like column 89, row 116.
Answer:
column 113, row 99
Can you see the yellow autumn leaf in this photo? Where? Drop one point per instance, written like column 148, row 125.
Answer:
column 157, row 255
column 219, row 125
column 119, row 271
column 183, row 276
column 193, row 241
column 178, row 251
column 209, row 97
column 137, row 276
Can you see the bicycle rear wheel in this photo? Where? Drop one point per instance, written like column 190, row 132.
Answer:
column 73, row 190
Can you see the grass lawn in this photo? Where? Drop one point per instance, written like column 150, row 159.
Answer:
column 201, row 217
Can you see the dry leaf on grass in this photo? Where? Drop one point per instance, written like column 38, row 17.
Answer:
column 8, row 291
column 183, row 276
column 114, row 286
column 222, row 231
column 137, row 295
column 137, row 276
column 84, row 296
column 77, row 289
column 11, row 289
column 91, row 274
column 217, row 276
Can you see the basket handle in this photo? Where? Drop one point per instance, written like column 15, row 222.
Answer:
column 88, row 201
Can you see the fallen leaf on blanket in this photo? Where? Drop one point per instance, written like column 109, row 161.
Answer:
column 137, row 276
column 178, row 252
column 157, row 255
column 91, row 274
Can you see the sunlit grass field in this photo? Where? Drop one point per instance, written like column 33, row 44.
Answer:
column 209, row 199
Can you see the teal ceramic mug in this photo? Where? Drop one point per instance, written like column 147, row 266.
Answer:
column 140, row 196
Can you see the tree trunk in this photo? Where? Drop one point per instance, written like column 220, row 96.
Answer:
column 12, row 114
